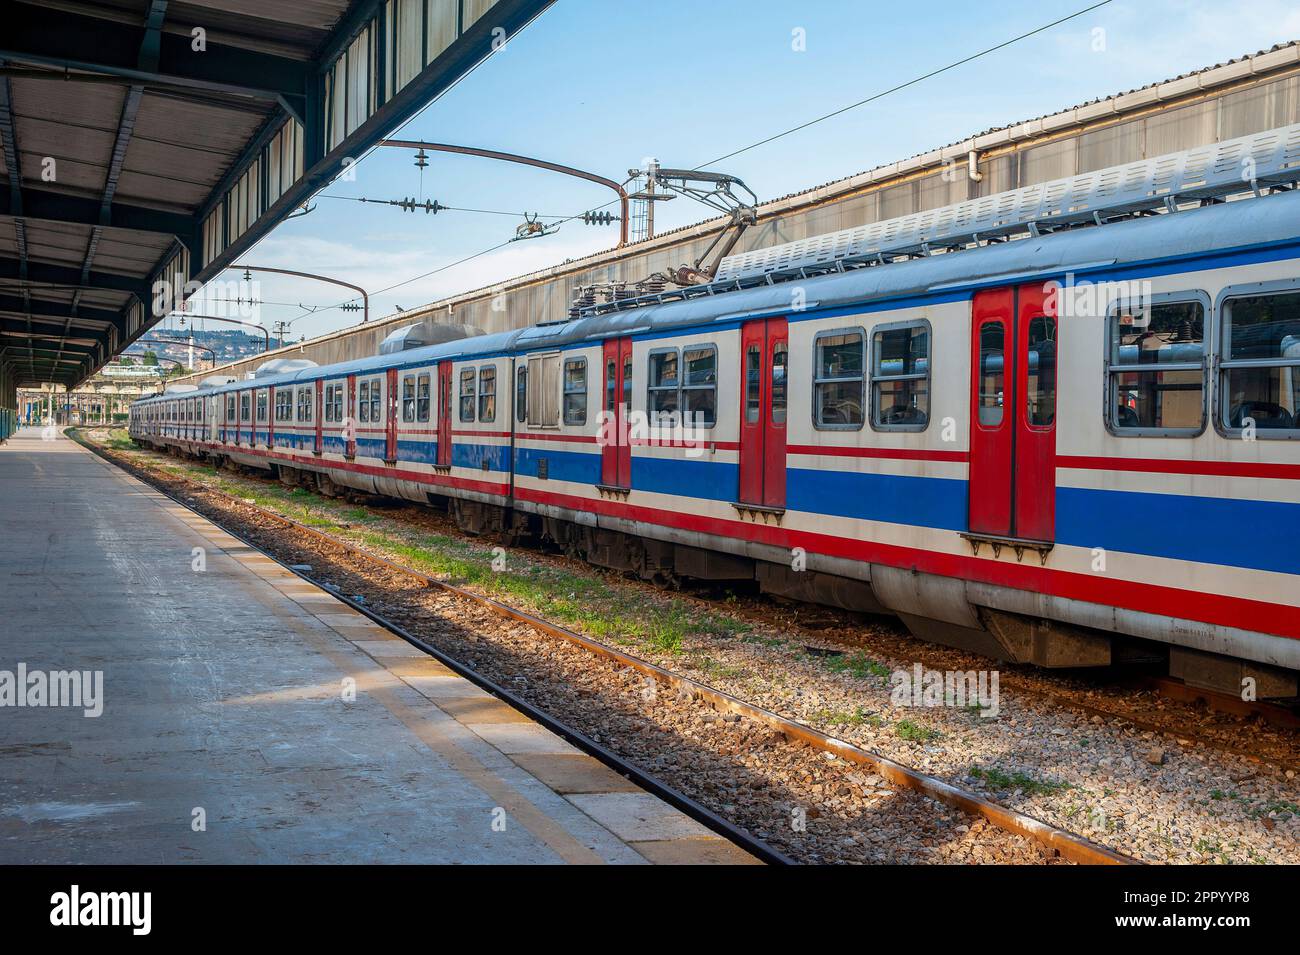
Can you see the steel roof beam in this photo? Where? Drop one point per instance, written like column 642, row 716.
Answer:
column 96, row 317
column 84, row 210
column 71, row 276
column 87, row 346
column 109, row 48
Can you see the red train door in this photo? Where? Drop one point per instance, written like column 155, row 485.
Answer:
column 350, row 420
column 1012, row 487
column 444, row 413
column 616, row 450
column 390, row 422
column 319, row 387
column 764, row 359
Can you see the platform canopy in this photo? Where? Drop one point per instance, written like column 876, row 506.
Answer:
column 146, row 144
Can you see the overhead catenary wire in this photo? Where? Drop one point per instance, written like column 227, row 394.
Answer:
column 902, row 86
column 442, row 208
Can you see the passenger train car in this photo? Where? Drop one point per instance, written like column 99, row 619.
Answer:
column 1075, row 447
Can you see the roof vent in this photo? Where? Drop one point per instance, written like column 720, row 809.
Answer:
column 423, row 334
column 282, row 366
column 216, row 381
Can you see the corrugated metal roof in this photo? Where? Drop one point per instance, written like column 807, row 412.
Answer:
column 119, row 136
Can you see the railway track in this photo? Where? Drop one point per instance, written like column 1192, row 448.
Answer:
column 1054, row 843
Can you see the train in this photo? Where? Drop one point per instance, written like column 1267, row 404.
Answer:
column 1057, row 426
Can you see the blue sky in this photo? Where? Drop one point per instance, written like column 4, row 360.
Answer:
column 603, row 84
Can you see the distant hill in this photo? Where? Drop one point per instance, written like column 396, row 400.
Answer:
column 227, row 344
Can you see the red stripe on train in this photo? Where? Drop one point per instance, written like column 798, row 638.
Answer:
column 1256, row 615
column 1290, row 472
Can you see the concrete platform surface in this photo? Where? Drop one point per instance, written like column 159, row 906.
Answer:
column 227, row 731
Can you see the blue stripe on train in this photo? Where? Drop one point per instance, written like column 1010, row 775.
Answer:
column 1259, row 535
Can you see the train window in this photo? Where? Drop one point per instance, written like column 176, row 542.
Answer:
column 284, row 404
column 521, row 394
column 839, row 379
column 992, row 374
column 753, row 384
column 487, row 393
column 1260, row 368
column 1156, row 368
column 900, row 377
column 663, row 383
column 627, row 381
column 1040, row 404
column 408, row 398
column 376, row 405
column 244, row 406
column 700, row 386
column 305, row 398
column 261, row 406
column 422, row 392
column 575, row 391
column 780, row 381
column 334, row 403
column 467, row 395
column 363, row 402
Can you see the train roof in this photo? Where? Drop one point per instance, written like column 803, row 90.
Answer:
column 1189, row 233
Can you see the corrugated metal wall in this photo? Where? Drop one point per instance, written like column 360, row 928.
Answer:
column 1195, row 119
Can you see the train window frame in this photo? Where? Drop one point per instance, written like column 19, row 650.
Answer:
column 651, row 388
column 1056, row 370
column 487, row 400
column 467, row 376
column 408, row 399
column 377, row 415
column 306, row 398
column 521, row 393
column 363, row 401
column 284, row 404
column 862, row 379
column 1222, row 364
column 683, row 387
column 423, row 396
column 1110, row 369
column 578, row 418
column 262, row 406
column 874, row 379
column 245, row 406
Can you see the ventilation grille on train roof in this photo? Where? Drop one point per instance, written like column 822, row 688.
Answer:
column 1206, row 172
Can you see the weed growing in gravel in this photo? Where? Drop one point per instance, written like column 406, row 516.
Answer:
column 857, row 664
column 1029, row 785
column 119, row 440
column 915, row 732
column 859, row 717
column 1283, row 807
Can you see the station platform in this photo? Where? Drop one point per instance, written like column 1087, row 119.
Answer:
column 225, row 735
